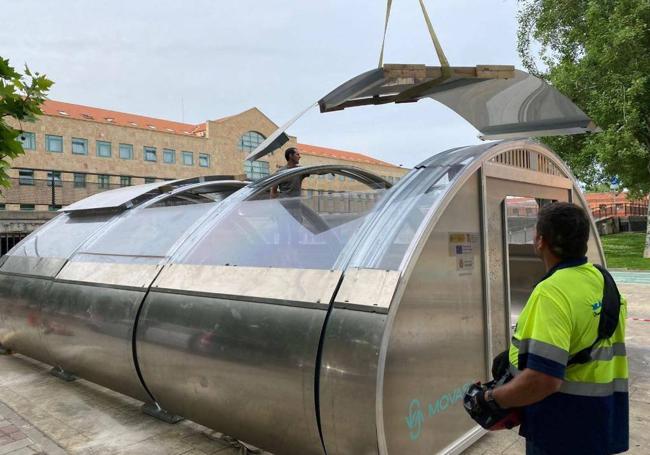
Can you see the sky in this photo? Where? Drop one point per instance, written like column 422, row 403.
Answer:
column 194, row 60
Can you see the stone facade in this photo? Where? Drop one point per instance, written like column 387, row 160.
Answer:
column 217, row 139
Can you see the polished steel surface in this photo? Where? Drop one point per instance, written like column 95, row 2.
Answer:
column 348, row 381
column 21, row 319
column 367, row 289
column 514, row 174
column 499, row 101
column 435, row 342
column 88, row 331
column 497, row 191
column 244, row 368
column 109, row 273
column 276, row 285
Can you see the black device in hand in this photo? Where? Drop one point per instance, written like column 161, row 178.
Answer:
column 488, row 413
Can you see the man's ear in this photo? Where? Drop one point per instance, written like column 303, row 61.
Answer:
column 539, row 243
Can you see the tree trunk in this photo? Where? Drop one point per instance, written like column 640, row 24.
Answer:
column 646, row 251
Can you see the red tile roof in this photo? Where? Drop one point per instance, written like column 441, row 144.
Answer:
column 93, row 114
column 340, row 155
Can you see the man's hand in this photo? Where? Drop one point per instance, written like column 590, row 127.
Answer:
column 526, row 388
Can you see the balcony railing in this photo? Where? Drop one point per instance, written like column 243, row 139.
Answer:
column 47, row 192
column 619, row 209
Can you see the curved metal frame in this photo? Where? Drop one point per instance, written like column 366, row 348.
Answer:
column 416, row 247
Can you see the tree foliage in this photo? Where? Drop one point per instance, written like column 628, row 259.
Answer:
column 597, row 52
column 21, row 96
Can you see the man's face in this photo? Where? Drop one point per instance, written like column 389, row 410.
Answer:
column 295, row 158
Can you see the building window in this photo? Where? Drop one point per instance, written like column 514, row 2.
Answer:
column 330, row 176
column 79, row 146
column 28, row 140
column 150, row 154
column 104, row 149
column 54, row 177
column 79, row 180
column 54, row 208
column 27, row 207
column 150, row 180
column 188, row 159
column 250, row 140
column 125, row 180
column 204, row 160
column 169, row 156
column 103, row 181
column 256, row 169
column 26, row 177
column 342, row 178
column 54, row 144
column 126, row 151
column 2, row 206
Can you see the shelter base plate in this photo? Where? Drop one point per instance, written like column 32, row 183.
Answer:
column 62, row 374
column 159, row 413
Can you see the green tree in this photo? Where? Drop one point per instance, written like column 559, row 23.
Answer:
column 597, row 52
column 21, row 96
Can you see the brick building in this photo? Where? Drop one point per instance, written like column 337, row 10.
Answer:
column 73, row 151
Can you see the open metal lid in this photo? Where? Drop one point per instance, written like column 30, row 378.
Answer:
column 127, row 197
column 499, row 101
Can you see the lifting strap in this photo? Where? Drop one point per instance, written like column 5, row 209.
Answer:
column 444, row 63
column 609, row 314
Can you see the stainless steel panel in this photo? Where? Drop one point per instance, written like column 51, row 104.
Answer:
column 244, row 368
column 497, row 190
column 348, row 381
column 532, row 177
column 367, row 289
column 435, row 343
column 93, row 336
column 110, row 273
column 21, row 320
column 499, row 101
column 267, row 284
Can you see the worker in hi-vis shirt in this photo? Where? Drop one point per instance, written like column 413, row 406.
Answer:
column 570, row 382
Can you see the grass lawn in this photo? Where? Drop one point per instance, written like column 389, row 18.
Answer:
column 625, row 251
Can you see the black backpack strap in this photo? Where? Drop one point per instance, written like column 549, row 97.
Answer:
column 609, row 314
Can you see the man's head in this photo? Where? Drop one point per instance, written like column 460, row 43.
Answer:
column 292, row 155
column 562, row 231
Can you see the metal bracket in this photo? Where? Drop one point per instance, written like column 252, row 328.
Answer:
column 154, row 410
column 62, row 374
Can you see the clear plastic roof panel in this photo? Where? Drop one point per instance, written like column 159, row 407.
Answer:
column 149, row 233
column 405, row 212
column 307, row 231
column 61, row 236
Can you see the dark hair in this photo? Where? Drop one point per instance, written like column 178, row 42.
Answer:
column 565, row 227
column 289, row 152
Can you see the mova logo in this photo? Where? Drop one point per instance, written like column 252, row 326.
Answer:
column 415, row 419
